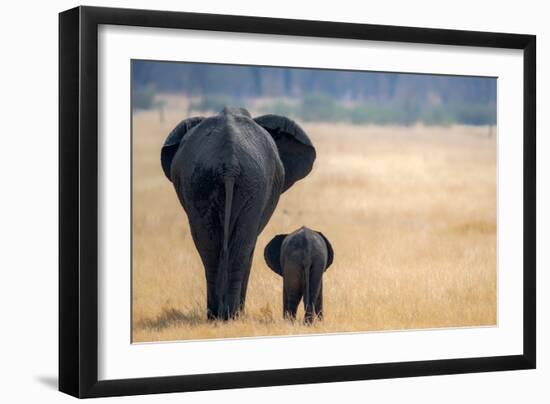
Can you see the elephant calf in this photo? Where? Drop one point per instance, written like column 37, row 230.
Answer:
column 300, row 258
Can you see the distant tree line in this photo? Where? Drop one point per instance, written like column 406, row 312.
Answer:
column 327, row 95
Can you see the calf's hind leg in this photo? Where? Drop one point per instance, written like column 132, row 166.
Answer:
column 292, row 289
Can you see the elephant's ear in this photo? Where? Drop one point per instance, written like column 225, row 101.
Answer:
column 295, row 149
column 330, row 251
column 173, row 141
column 272, row 254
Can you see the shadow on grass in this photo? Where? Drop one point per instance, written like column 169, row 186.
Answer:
column 171, row 317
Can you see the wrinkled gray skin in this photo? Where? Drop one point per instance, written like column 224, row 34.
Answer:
column 301, row 258
column 228, row 172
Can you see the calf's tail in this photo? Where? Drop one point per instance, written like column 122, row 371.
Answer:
column 307, row 296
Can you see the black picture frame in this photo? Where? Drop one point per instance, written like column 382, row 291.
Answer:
column 78, row 200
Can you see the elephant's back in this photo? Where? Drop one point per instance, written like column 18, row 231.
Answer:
column 222, row 147
column 296, row 247
column 223, row 144
column 305, row 245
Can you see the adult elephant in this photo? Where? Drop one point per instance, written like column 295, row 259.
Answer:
column 228, row 171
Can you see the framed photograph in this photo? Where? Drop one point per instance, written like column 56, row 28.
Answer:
column 251, row 201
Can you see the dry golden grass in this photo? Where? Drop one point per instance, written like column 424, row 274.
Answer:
column 410, row 212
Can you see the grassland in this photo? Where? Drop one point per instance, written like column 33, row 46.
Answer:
column 410, row 212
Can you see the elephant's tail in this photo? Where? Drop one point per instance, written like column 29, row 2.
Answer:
column 307, row 293
column 223, row 269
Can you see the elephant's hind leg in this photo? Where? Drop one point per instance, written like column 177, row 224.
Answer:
column 241, row 265
column 292, row 291
column 245, row 223
column 208, row 240
column 211, row 297
column 291, row 301
column 318, row 307
column 244, row 285
column 314, row 311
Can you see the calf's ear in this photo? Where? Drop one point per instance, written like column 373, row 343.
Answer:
column 295, row 149
column 272, row 254
column 330, row 251
column 172, row 142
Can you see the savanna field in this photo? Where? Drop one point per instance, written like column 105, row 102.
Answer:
column 410, row 213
